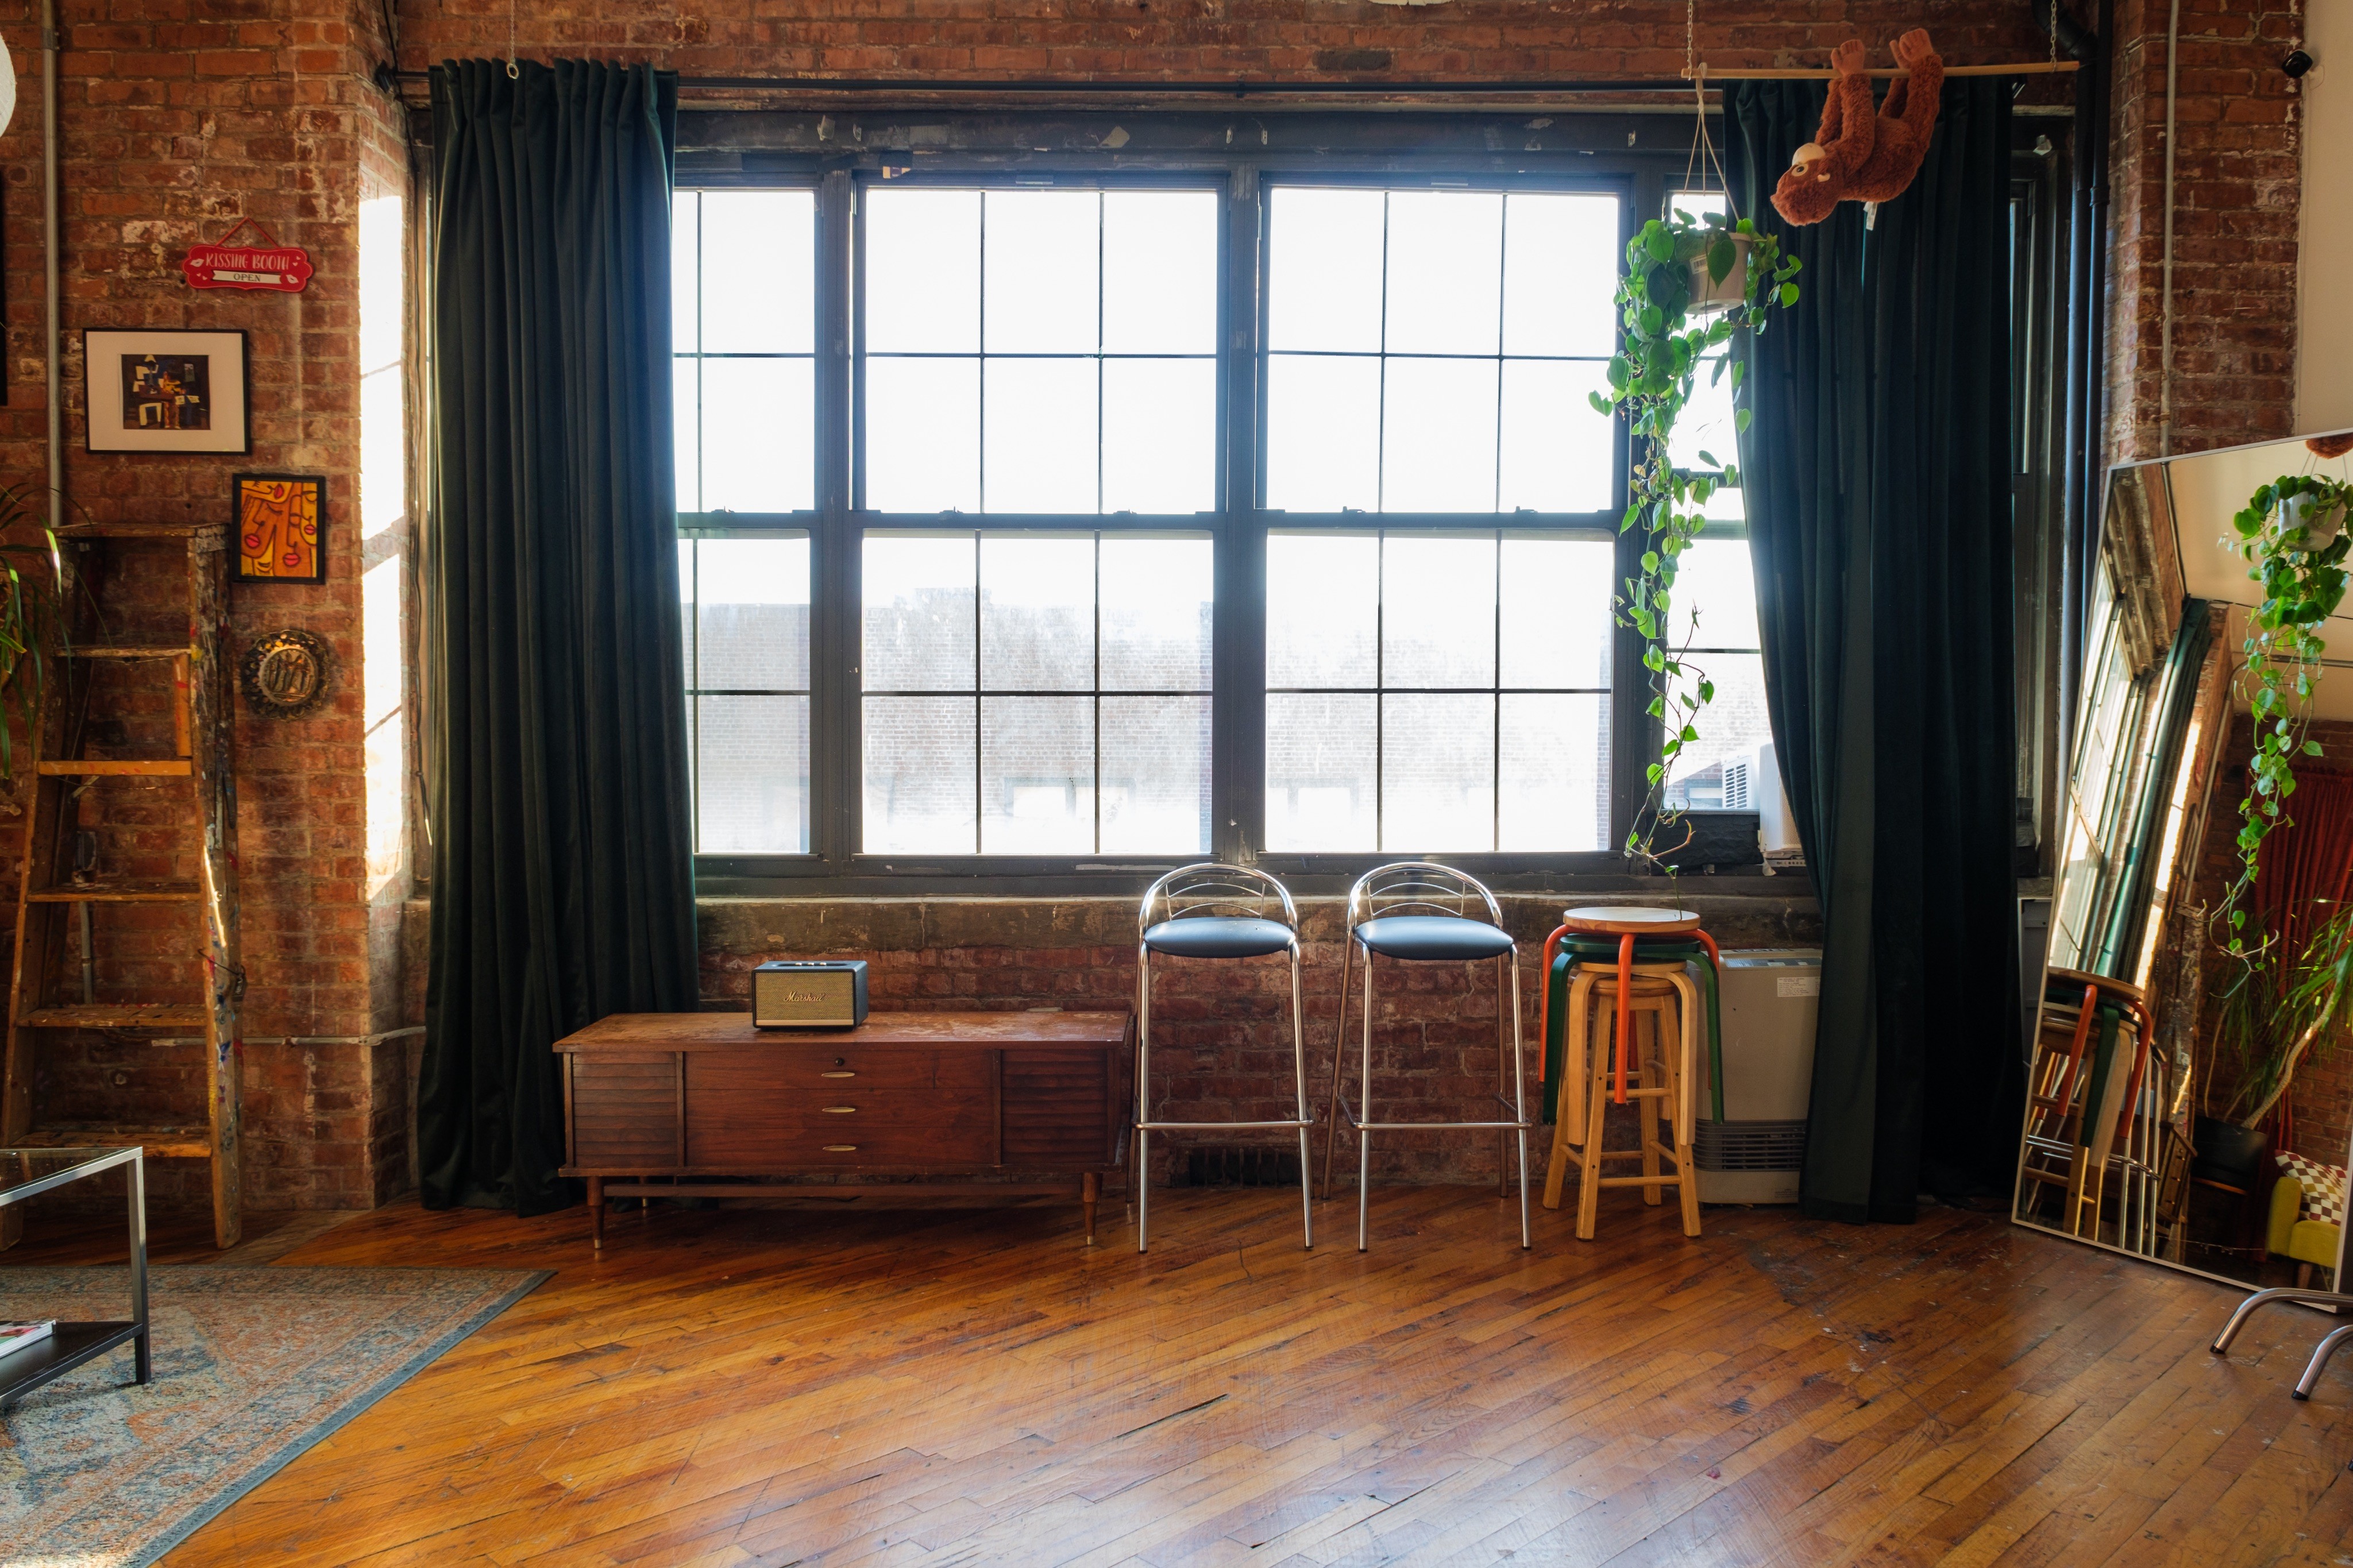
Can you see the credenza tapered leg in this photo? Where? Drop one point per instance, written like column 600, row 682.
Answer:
column 596, row 1213
column 1089, row 1191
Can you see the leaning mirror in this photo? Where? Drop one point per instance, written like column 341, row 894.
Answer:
column 2188, row 1103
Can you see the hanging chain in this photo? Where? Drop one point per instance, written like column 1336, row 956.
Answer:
column 2054, row 32
column 513, row 71
column 1691, row 36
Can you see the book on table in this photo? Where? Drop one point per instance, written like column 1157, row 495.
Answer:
column 15, row 1335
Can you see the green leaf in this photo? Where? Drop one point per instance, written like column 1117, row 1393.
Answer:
column 1788, row 295
column 1655, row 772
column 2312, row 748
column 1707, row 691
column 1709, row 458
column 1720, row 258
column 1601, row 404
column 1740, row 421
column 1739, row 369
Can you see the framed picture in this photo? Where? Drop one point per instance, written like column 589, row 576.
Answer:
column 281, row 528
column 165, row 391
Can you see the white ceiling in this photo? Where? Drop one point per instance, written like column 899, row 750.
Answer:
column 2208, row 489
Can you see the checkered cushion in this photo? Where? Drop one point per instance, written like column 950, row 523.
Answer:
column 2324, row 1187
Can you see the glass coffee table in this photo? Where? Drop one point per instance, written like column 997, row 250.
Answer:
column 28, row 1172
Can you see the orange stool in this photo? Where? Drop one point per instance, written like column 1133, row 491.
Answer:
column 1653, row 1066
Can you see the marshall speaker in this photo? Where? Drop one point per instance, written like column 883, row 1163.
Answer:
column 815, row 996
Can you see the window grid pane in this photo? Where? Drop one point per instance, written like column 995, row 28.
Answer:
column 743, row 339
column 1062, row 358
column 744, row 607
column 1436, row 693
column 1041, row 694
column 1430, row 351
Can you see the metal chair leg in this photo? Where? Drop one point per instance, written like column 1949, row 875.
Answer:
column 2262, row 1298
column 2321, row 1352
column 1298, row 1086
column 1142, row 1096
column 1339, row 1061
column 1502, row 1156
column 1364, row 1120
column 1519, row 1097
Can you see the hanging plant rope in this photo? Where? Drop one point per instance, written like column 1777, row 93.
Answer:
column 1692, row 281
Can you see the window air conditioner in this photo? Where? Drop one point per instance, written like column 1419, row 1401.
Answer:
column 1752, row 782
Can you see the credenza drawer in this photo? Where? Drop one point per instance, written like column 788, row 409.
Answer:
column 740, row 1114
column 806, row 1067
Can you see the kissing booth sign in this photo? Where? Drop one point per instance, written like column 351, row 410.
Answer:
column 220, row 265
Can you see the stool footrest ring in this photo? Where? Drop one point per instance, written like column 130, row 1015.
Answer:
column 1208, row 1126
column 1441, row 1126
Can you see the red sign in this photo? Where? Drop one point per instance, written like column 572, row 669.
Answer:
column 220, row 265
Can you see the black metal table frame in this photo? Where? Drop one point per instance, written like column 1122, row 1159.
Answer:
column 71, row 1344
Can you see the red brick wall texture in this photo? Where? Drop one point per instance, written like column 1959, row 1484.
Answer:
column 181, row 116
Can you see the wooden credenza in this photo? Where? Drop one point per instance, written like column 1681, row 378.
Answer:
column 666, row 1104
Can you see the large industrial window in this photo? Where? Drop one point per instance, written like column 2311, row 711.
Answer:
column 1100, row 495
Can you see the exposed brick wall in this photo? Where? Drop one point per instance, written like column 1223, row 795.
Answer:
column 2238, row 168
column 176, row 120
column 1202, row 39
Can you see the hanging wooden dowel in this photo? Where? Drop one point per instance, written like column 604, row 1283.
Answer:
column 2025, row 67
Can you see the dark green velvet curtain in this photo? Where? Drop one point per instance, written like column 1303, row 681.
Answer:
column 1877, row 478
column 563, row 873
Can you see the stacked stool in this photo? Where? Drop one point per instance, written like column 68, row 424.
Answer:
column 2085, row 1115
column 1627, row 966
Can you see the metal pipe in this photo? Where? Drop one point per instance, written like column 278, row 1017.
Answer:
column 50, row 291
column 2165, row 320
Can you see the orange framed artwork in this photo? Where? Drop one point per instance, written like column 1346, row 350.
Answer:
column 281, row 528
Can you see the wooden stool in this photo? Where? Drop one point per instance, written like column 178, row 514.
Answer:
column 1663, row 1075
column 2070, row 1144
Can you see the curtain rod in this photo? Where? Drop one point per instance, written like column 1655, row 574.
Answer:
column 1246, row 88
column 2025, row 67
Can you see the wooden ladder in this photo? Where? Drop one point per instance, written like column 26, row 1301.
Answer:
column 44, row 1023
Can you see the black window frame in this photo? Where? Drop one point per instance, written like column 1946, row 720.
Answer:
column 1640, row 158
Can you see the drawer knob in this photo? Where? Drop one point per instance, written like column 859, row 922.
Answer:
column 841, row 1149
column 842, row 1110
column 836, row 1075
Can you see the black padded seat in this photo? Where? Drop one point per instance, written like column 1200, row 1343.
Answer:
column 1217, row 936
column 1432, row 937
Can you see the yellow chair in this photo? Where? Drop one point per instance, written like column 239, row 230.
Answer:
column 2311, row 1242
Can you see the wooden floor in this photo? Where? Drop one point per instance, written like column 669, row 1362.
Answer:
column 780, row 1387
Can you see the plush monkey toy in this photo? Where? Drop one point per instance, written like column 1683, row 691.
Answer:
column 1859, row 156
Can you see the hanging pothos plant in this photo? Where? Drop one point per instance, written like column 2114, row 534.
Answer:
column 1693, row 280
column 2292, row 532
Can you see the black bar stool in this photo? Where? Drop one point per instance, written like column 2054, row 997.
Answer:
column 1212, row 911
column 1421, row 912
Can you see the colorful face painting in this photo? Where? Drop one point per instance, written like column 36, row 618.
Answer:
column 282, row 521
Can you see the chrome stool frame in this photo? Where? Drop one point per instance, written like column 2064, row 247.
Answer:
column 1412, row 892
column 2321, row 1352
column 1241, row 902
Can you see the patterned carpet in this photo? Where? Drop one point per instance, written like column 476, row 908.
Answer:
column 252, row 1366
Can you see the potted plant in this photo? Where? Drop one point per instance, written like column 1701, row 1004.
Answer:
column 2292, row 533
column 2279, row 1012
column 1693, row 280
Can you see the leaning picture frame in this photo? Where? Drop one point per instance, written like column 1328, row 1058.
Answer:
column 156, row 390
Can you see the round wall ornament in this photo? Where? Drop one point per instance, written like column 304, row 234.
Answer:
column 287, row 673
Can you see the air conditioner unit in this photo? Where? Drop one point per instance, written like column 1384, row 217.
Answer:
column 1767, row 999
column 1752, row 782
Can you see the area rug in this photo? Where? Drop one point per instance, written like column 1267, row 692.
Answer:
column 251, row 1367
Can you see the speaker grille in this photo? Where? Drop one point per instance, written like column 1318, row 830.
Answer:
column 1750, row 1146
column 809, row 997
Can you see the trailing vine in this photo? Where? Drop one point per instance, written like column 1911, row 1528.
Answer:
column 1653, row 378
column 2292, row 532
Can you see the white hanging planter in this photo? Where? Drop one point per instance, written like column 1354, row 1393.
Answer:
column 1710, row 295
column 2314, row 520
